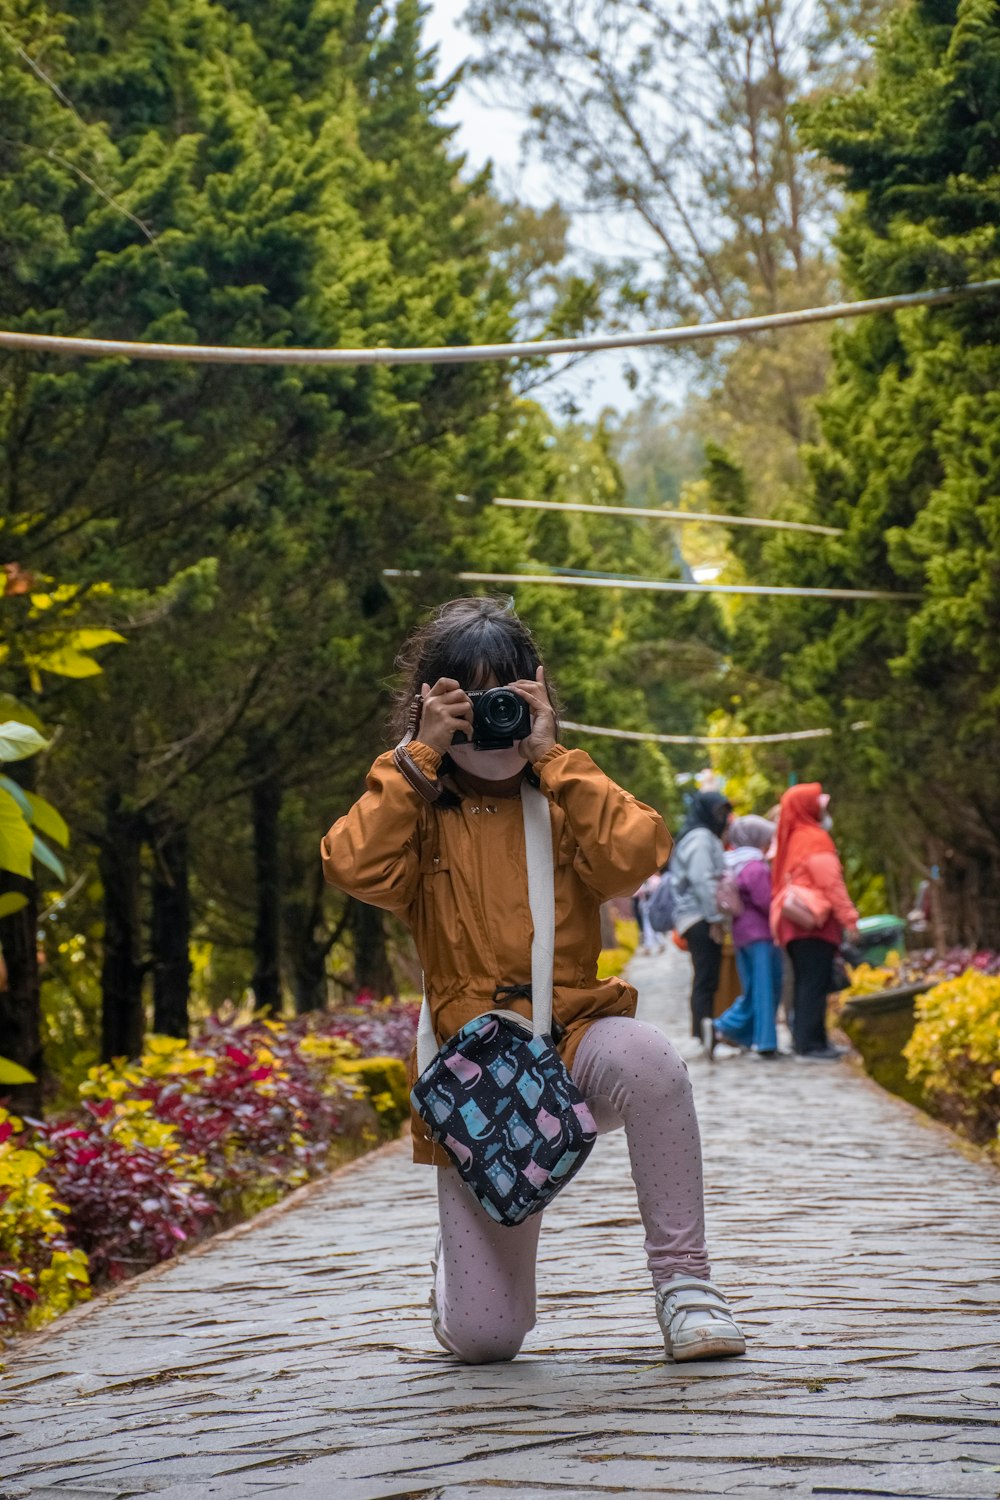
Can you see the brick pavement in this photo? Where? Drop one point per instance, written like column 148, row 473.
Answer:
column 295, row 1359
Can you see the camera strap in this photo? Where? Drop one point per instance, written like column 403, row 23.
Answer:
column 431, row 791
column 541, row 903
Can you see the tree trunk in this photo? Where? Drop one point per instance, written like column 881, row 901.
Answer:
column 969, row 897
column 266, row 799
column 171, row 932
column 307, row 945
column 20, row 1006
column 372, row 969
column 119, row 862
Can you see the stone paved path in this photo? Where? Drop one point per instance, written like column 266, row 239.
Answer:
column 862, row 1249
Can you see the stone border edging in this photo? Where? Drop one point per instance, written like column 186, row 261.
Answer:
column 959, row 1143
column 883, row 1002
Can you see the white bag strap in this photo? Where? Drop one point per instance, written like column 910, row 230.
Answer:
column 542, row 905
column 541, row 902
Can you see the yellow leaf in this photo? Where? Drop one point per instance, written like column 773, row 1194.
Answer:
column 89, row 640
column 27, row 1163
column 65, row 662
column 16, row 838
column 12, row 1072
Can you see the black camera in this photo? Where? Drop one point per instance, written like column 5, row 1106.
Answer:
column 499, row 717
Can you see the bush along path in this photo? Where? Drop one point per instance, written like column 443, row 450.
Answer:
column 293, row 1356
column 189, row 1139
column 932, row 1034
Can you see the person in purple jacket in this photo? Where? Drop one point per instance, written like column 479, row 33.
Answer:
column 751, row 1021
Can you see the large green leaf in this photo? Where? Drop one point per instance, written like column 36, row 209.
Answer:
column 12, row 708
column 12, row 1072
column 16, row 838
column 43, row 816
column 12, row 901
column 18, row 741
column 45, row 857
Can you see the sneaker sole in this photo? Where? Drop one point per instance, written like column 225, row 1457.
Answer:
column 708, row 1349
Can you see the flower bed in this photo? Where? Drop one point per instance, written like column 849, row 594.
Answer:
column 189, row 1138
column 954, row 1054
column 902, row 969
column 928, row 1028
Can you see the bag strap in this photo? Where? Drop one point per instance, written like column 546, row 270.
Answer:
column 541, row 901
column 542, row 905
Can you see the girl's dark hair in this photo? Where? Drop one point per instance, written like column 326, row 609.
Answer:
column 467, row 639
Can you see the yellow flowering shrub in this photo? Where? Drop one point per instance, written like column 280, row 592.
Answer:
column 954, row 1053
column 627, row 934
column 386, row 1083
column 870, row 979
column 41, row 1273
column 611, row 962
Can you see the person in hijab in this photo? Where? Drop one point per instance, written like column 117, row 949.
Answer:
column 750, row 1021
column 810, row 912
column 696, row 867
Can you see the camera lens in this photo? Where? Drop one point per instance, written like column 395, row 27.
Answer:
column 501, row 710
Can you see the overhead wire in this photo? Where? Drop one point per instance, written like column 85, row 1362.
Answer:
column 703, row 739
column 677, row 517
column 66, row 345
column 673, row 585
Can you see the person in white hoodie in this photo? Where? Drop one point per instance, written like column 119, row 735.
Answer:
column 696, row 866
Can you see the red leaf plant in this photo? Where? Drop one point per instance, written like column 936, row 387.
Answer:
column 129, row 1205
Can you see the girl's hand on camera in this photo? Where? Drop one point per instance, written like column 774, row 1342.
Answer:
column 543, row 719
column 446, row 711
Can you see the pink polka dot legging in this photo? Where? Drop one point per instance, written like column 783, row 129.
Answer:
column 485, row 1281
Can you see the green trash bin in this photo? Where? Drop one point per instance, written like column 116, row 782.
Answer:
column 880, row 936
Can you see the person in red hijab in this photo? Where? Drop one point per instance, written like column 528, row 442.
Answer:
column 810, row 912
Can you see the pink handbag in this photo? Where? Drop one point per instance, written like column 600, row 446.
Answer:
column 727, row 895
column 804, row 907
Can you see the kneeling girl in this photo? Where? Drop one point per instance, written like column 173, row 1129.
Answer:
column 454, row 870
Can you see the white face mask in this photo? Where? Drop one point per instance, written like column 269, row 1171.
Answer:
column 488, row 765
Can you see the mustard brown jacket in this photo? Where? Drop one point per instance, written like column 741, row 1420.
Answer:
column 457, row 877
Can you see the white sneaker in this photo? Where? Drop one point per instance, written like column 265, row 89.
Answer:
column 696, row 1320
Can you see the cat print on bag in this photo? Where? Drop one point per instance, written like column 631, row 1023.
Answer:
column 524, row 1131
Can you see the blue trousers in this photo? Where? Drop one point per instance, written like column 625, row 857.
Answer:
column 750, row 1020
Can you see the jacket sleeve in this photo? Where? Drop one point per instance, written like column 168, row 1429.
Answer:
column 827, row 874
column 619, row 839
column 373, row 851
column 754, row 885
column 703, row 867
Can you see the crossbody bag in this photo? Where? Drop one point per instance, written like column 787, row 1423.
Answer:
column 497, row 1096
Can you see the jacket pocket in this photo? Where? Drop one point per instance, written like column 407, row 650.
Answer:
column 433, row 861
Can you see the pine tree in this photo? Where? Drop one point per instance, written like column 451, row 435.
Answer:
column 909, row 465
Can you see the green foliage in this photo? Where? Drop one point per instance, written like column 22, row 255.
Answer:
column 909, row 465
column 224, row 173
column 618, row 658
